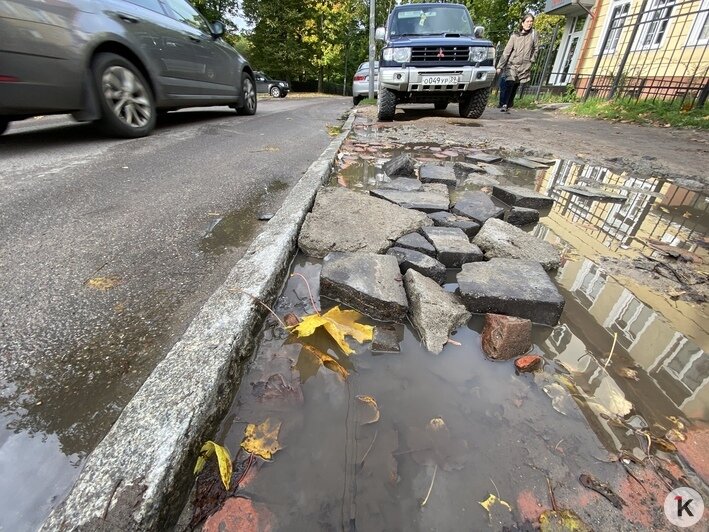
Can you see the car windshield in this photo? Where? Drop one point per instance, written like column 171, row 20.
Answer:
column 437, row 20
column 265, row 77
column 365, row 65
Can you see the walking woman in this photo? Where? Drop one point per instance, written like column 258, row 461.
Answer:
column 516, row 61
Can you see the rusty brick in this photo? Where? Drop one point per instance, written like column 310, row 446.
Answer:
column 506, row 337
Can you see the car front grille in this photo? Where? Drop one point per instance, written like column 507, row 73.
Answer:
column 439, row 54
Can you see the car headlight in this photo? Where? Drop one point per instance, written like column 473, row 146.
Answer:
column 478, row 54
column 399, row 55
column 281, row 84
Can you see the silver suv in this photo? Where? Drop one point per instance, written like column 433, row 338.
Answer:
column 116, row 62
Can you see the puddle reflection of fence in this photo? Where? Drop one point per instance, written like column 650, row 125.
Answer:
column 678, row 369
column 623, row 211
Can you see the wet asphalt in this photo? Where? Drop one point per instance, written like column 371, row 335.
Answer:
column 108, row 248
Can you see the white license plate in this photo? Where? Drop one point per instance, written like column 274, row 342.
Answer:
column 440, row 80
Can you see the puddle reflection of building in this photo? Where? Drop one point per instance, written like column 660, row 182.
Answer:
column 654, row 211
column 676, row 370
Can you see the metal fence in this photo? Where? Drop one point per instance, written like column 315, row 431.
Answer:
column 648, row 49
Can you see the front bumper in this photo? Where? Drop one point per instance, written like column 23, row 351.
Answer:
column 409, row 79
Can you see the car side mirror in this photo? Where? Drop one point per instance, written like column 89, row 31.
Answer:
column 379, row 34
column 479, row 31
column 217, row 28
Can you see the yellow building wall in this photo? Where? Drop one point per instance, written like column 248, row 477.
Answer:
column 674, row 58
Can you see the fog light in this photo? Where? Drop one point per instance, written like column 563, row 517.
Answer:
column 398, row 76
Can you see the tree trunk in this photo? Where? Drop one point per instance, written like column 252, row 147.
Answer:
column 320, row 79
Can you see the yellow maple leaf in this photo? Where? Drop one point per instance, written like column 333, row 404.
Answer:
column 262, row 439
column 223, row 460
column 338, row 323
column 491, row 500
column 327, row 361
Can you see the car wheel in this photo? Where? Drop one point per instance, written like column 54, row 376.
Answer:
column 440, row 106
column 473, row 103
column 248, row 96
column 127, row 105
column 4, row 123
column 284, row 94
column 386, row 105
column 356, row 99
column 275, row 92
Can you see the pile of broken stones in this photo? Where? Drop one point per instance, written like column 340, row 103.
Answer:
column 387, row 253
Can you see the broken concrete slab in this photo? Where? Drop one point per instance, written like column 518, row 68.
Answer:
column 468, row 167
column 437, row 188
column 453, row 248
column 430, row 173
column 367, row 282
column 521, row 216
column 481, row 156
column 403, row 184
column 478, row 206
column 499, row 239
column 480, row 180
column 387, row 338
column 400, row 166
column 516, row 196
column 447, row 219
column 595, row 194
column 513, row 287
column 542, row 160
column 505, row 337
column 434, row 312
column 417, row 242
column 344, row 220
column 417, row 261
column 492, row 169
column 422, row 200
column 526, row 163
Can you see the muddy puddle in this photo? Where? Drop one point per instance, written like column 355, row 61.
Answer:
column 625, row 374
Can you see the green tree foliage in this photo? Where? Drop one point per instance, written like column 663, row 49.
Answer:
column 224, row 10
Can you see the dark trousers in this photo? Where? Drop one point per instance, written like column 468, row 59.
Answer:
column 508, row 91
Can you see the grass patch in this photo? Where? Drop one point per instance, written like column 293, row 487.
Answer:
column 647, row 112
column 368, row 101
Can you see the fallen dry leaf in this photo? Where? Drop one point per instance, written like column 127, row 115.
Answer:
column 368, row 410
column 103, row 283
column 338, row 323
column 223, row 460
column 561, row 521
column 262, row 439
column 435, row 446
column 327, row 361
column 491, row 501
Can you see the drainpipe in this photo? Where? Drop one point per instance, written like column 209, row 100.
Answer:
column 587, row 36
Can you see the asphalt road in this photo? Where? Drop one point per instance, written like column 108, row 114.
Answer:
column 108, row 248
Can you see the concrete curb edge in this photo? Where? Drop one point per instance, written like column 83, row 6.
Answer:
column 139, row 475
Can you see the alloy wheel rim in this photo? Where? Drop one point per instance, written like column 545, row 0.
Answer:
column 249, row 95
column 275, row 92
column 126, row 96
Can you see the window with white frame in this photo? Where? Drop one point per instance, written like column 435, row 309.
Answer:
column 617, row 17
column 654, row 24
column 700, row 30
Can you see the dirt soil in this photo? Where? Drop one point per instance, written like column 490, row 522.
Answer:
column 675, row 154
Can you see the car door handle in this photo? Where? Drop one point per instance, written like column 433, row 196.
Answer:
column 194, row 39
column 128, row 18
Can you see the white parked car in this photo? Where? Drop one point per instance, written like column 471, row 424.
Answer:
column 360, row 82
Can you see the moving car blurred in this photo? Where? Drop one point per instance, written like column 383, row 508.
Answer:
column 116, row 62
column 275, row 87
column 360, row 82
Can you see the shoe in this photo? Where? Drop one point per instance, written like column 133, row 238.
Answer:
column 504, row 109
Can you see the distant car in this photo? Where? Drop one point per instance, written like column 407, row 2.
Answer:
column 360, row 82
column 275, row 87
column 116, row 62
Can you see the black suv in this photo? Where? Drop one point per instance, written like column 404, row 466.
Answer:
column 275, row 87
column 116, row 62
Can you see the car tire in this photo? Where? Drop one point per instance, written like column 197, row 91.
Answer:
column 386, row 105
column 357, row 99
column 440, row 106
column 249, row 101
column 473, row 103
column 4, row 123
column 125, row 97
column 275, row 92
column 284, row 94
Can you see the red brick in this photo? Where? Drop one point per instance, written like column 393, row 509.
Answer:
column 528, row 363
column 506, row 337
